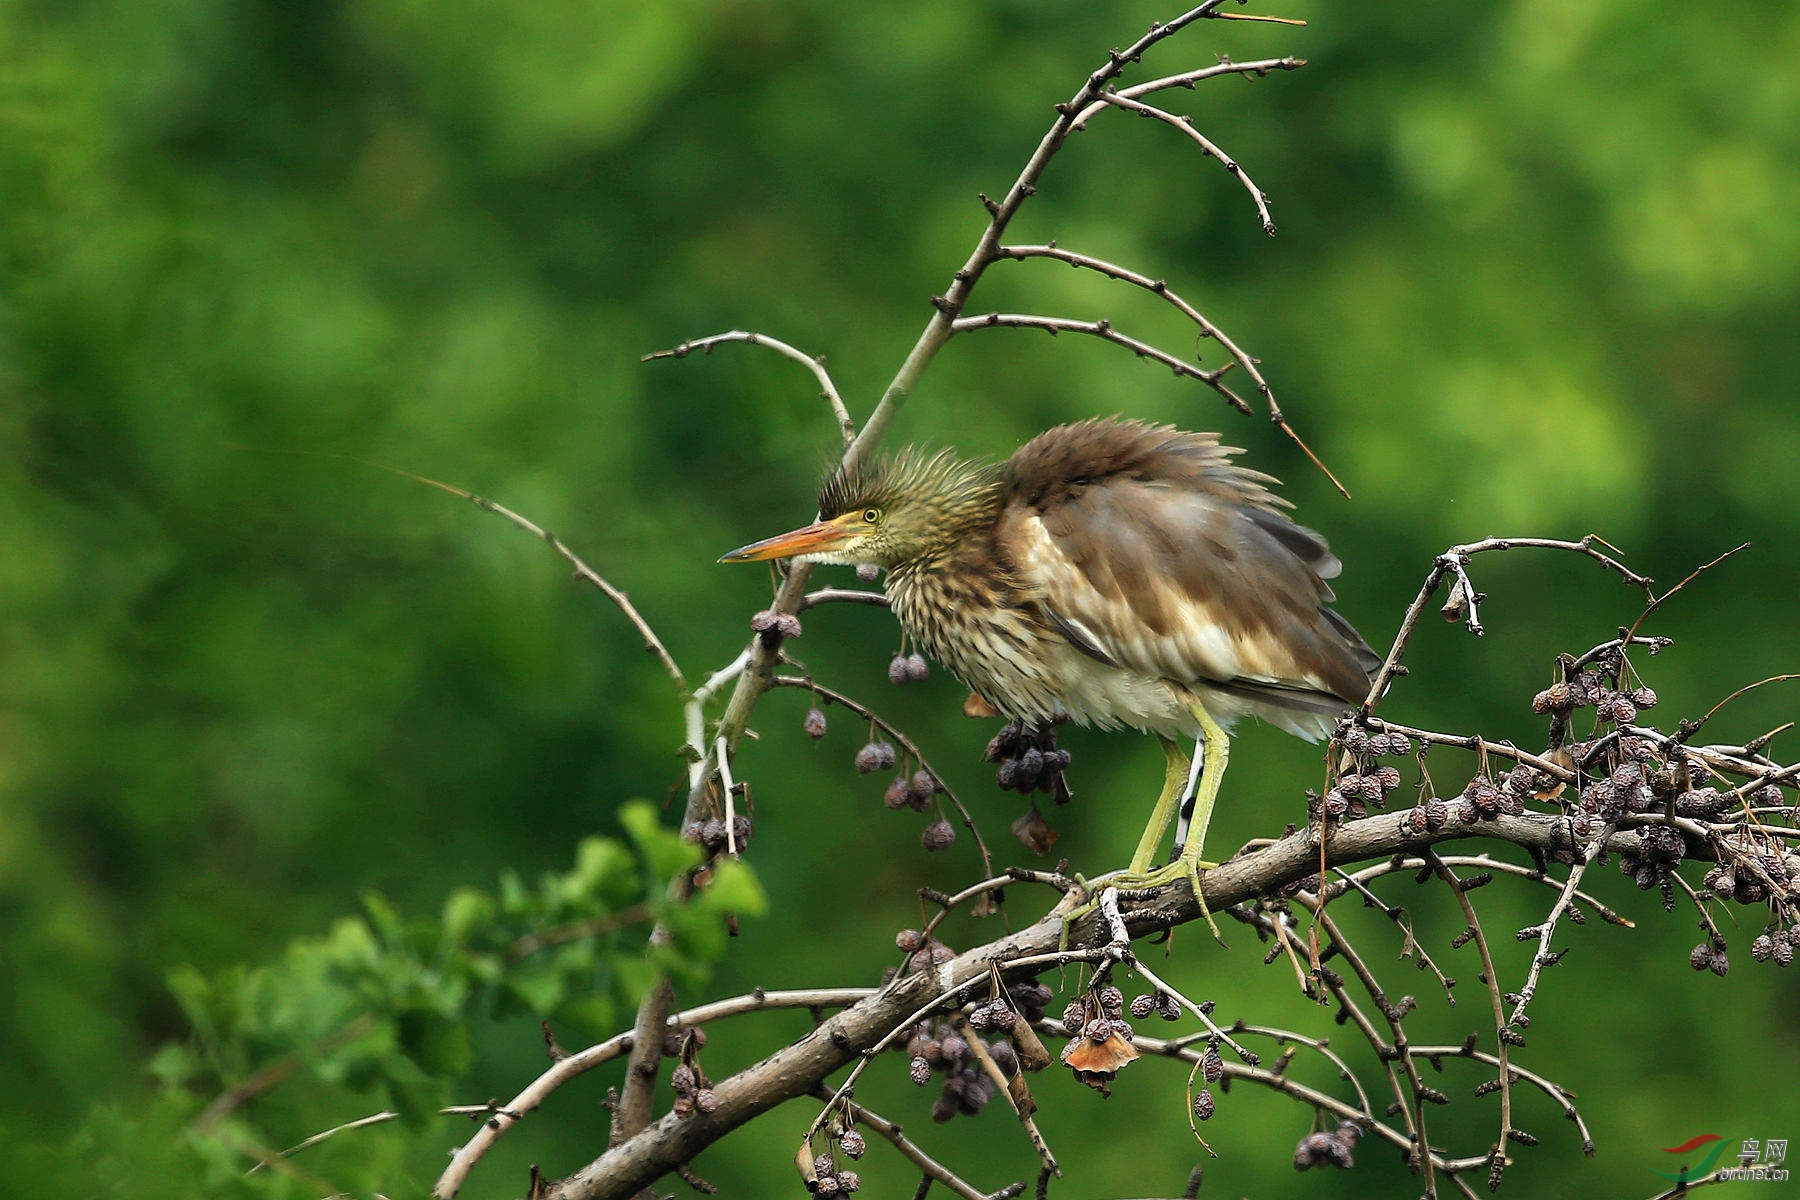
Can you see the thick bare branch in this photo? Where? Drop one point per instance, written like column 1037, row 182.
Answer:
column 799, row 1068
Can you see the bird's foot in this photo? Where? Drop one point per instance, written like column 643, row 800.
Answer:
column 1141, row 881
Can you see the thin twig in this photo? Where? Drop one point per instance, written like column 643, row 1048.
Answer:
column 1207, row 329
column 582, row 1061
column 892, row 1133
column 831, row 595
column 1207, row 147
column 1103, row 329
column 816, row 365
column 1454, row 559
column 906, row 745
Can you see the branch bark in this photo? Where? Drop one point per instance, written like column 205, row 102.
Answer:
column 797, row 1069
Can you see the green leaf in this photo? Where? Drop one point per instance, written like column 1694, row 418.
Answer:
column 440, row 1046
column 663, row 849
column 466, row 912
column 734, row 889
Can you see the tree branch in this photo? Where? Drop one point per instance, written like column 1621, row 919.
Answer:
column 799, row 1068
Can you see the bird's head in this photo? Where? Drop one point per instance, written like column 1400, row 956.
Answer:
column 891, row 512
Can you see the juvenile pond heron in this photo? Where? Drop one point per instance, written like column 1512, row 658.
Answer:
column 1113, row 572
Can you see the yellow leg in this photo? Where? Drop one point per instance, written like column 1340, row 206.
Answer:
column 1218, row 753
column 1175, row 774
column 1188, row 865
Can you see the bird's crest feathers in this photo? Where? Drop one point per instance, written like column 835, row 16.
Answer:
column 913, row 472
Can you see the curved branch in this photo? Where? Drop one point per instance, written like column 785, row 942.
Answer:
column 583, row 1061
column 1207, row 147
column 938, row 330
column 832, row 595
column 1453, row 561
column 1105, row 331
column 817, row 366
column 1187, row 79
column 1207, row 329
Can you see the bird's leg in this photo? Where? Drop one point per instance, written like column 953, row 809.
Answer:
column 1213, row 753
column 1174, row 791
column 1186, row 821
column 1217, row 753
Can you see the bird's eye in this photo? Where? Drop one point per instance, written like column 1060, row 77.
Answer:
column 871, row 515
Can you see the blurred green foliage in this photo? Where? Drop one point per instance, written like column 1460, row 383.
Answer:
column 1537, row 273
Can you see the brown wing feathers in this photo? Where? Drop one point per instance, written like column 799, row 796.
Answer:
column 1184, row 564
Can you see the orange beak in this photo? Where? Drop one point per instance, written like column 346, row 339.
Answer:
column 821, row 537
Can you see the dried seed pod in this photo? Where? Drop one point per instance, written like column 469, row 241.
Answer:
column 814, row 723
column 1212, row 1067
column 1205, row 1105
column 1142, row 1006
column 1005, row 744
column 897, row 669
column 920, row 1070
column 849, row 1181
column 1358, row 742
column 917, row 669
column 1112, row 1001
column 909, row 940
column 899, row 792
column 1763, row 948
column 868, row 572
column 1644, row 697
column 1030, row 999
column 875, row 756
column 1700, row 957
column 706, row 1100
column 683, row 1080
column 938, row 835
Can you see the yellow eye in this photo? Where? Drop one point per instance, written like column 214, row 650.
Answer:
column 871, row 515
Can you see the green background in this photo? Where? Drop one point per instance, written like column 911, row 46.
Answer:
column 1536, row 274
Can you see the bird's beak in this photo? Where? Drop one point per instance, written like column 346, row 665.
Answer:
column 821, row 537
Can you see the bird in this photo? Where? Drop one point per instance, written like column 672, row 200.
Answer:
column 1112, row 572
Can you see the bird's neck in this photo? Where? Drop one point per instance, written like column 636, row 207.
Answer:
column 960, row 531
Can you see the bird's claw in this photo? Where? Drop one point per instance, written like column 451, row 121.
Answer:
column 1141, row 881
